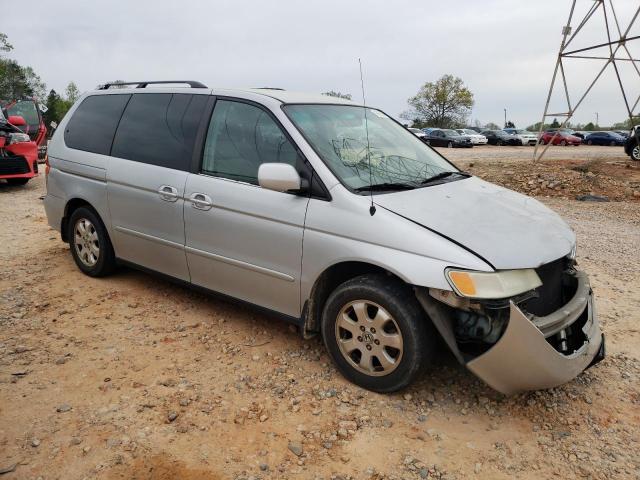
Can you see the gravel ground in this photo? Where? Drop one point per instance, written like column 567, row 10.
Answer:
column 132, row 377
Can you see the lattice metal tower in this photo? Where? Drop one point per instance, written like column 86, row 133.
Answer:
column 618, row 51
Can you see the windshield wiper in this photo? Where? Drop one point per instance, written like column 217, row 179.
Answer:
column 385, row 187
column 441, row 175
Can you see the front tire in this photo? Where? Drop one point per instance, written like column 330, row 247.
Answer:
column 376, row 332
column 90, row 244
column 450, row 145
column 635, row 153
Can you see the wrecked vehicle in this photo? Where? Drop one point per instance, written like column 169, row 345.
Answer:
column 18, row 153
column 332, row 215
column 31, row 111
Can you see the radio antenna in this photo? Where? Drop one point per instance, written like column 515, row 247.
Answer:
column 372, row 208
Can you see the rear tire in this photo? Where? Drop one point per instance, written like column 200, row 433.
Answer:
column 376, row 332
column 450, row 145
column 589, row 142
column 499, row 143
column 90, row 244
column 17, row 181
column 635, row 153
column 563, row 143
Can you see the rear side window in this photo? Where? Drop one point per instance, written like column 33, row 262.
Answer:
column 160, row 129
column 94, row 123
column 240, row 138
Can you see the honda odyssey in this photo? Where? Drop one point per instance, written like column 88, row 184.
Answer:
column 332, row 215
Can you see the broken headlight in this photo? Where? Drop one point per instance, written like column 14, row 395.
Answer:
column 489, row 285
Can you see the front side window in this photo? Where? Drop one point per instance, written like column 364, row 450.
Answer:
column 240, row 138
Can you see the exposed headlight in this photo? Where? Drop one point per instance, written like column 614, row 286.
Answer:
column 501, row 284
column 18, row 138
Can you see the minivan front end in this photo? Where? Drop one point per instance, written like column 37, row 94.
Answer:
column 535, row 338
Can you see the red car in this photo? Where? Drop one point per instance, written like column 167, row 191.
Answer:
column 30, row 110
column 560, row 138
column 18, row 153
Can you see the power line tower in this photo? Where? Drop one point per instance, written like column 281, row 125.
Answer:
column 617, row 48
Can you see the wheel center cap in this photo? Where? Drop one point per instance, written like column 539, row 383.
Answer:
column 367, row 338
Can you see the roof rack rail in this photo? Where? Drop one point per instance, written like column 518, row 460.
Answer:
column 269, row 88
column 191, row 83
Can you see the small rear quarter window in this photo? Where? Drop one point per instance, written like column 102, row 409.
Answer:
column 94, row 123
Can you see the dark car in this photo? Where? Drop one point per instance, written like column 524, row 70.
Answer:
column 605, row 138
column 500, row 137
column 447, row 138
column 632, row 145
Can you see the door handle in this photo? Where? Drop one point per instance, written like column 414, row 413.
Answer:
column 168, row 193
column 201, row 201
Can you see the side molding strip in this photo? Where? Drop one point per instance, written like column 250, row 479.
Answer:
column 241, row 264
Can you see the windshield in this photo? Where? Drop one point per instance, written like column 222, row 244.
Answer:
column 27, row 110
column 338, row 135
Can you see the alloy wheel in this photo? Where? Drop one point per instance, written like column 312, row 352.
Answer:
column 369, row 338
column 635, row 153
column 86, row 242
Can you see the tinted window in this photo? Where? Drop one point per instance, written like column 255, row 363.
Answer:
column 240, row 138
column 94, row 122
column 159, row 129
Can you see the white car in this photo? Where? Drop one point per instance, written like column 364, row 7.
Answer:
column 476, row 138
column 527, row 137
column 418, row 133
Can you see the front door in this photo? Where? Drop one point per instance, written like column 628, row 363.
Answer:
column 243, row 240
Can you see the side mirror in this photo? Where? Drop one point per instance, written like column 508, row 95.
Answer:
column 16, row 120
column 280, row 177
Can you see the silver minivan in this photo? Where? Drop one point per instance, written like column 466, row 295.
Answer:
column 332, row 215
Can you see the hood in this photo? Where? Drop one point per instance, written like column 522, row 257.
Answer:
column 505, row 228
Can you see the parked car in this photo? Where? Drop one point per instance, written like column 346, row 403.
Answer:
column 30, row 111
column 417, row 132
column 428, row 130
column 500, row 137
column 632, row 145
column 525, row 136
column 447, row 138
column 622, row 133
column 569, row 131
column 476, row 138
column 559, row 137
column 605, row 138
column 18, row 153
column 217, row 188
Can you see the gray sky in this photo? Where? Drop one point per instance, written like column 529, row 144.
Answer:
column 503, row 50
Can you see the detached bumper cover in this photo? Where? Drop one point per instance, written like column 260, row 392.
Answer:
column 523, row 359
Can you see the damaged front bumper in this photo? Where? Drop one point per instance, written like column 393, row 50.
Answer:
column 524, row 358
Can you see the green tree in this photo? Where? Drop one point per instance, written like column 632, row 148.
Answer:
column 444, row 103
column 5, row 46
column 331, row 93
column 555, row 123
column 72, row 93
column 492, row 126
column 509, row 124
column 590, row 127
column 17, row 81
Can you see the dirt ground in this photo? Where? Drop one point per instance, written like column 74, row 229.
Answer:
column 131, row 377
